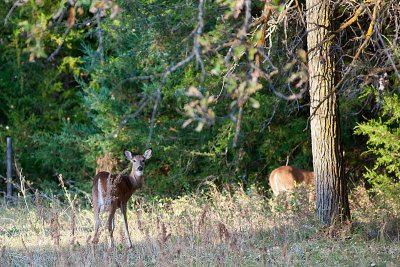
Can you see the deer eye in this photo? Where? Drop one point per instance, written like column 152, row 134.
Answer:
column 134, row 160
column 142, row 161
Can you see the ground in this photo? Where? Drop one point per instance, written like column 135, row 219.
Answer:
column 215, row 228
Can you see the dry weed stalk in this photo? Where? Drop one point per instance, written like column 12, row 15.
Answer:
column 55, row 228
column 71, row 202
column 73, row 225
column 92, row 246
column 22, row 185
column 28, row 253
column 140, row 262
column 125, row 257
column 3, row 252
column 285, row 250
column 109, row 254
column 234, row 243
column 139, row 220
column 162, row 240
column 203, row 217
column 224, row 234
column 39, row 206
column 162, row 236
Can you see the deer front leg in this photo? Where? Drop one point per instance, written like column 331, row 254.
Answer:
column 128, row 238
column 111, row 226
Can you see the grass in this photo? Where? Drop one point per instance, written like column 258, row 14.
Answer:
column 218, row 228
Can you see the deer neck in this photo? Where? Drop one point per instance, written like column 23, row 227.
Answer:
column 136, row 181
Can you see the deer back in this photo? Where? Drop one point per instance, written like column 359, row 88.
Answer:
column 285, row 178
column 115, row 189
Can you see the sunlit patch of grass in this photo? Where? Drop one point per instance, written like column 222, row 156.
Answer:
column 216, row 228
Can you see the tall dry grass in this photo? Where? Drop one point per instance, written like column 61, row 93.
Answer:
column 231, row 227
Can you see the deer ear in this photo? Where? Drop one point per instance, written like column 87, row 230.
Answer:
column 128, row 155
column 147, row 154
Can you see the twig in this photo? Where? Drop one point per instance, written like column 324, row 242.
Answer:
column 196, row 43
column 291, row 97
column 140, row 78
column 368, row 34
column 15, row 5
column 100, row 49
column 153, row 116
column 143, row 102
column 347, row 23
column 242, row 97
column 238, row 126
column 267, row 122
column 176, row 66
column 292, row 151
column 261, row 42
column 196, row 53
column 389, row 56
column 54, row 54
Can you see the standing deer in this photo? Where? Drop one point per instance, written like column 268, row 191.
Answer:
column 111, row 191
column 284, row 178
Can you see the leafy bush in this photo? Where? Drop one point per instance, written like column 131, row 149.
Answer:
column 384, row 143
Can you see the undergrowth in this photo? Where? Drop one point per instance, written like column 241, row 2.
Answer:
column 230, row 227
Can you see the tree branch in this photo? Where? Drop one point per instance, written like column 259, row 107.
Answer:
column 58, row 49
column 196, row 43
column 261, row 42
column 368, row 34
column 15, row 5
column 100, row 48
column 242, row 97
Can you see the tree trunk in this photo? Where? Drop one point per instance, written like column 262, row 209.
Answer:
column 332, row 199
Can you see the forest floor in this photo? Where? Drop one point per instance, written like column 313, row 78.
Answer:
column 231, row 227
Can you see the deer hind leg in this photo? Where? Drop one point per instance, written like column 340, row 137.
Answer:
column 128, row 238
column 311, row 199
column 98, row 204
column 96, row 211
column 111, row 226
column 283, row 198
column 288, row 196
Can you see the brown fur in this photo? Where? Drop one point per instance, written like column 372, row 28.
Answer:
column 114, row 192
column 285, row 178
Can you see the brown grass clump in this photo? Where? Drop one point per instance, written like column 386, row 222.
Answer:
column 232, row 227
column 381, row 223
column 106, row 163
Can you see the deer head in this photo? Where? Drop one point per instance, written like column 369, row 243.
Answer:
column 138, row 161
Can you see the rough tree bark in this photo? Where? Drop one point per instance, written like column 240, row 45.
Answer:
column 332, row 198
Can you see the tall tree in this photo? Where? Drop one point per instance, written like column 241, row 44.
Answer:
column 332, row 198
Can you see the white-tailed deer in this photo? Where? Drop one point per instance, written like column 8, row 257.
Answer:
column 284, row 178
column 111, row 191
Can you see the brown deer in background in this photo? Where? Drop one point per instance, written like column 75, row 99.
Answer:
column 112, row 191
column 283, row 179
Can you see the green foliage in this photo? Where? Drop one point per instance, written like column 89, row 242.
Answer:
column 71, row 111
column 39, row 97
column 91, row 99
column 384, row 143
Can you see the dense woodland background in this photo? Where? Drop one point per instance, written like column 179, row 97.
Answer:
column 80, row 81
column 221, row 91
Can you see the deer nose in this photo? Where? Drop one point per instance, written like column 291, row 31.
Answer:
column 140, row 168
